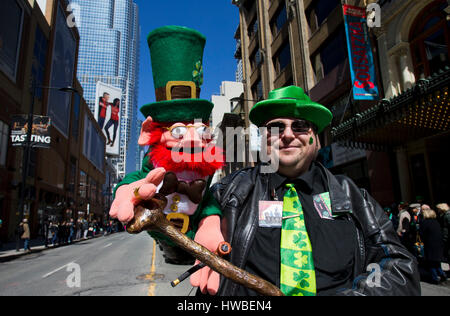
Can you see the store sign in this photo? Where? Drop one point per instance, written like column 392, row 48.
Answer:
column 40, row 134
column 361, row 59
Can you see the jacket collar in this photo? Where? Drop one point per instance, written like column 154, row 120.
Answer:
column 339, row 193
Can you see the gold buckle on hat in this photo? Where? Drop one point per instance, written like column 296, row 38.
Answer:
column 189, row 84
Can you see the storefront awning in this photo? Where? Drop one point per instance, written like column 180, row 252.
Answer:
column 419, row 112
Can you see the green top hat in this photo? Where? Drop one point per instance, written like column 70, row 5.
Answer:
column 291, row 102
column 177, row 54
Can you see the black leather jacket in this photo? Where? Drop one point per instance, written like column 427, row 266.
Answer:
column 240, row 193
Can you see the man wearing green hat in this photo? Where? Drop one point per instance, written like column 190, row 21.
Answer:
column 182, row 157
column 302, row 228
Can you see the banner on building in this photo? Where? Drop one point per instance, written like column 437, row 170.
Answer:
column 360, row 54
column 62, row 73
column 40, row 133
column 108, row 114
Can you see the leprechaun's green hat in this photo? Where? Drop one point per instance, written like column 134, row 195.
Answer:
column 290, row 102
column 177, row 54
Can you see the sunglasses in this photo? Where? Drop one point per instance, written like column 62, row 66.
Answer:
column 297, row 127
column 179, row 131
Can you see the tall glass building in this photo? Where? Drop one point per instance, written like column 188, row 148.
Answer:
column 109, row 53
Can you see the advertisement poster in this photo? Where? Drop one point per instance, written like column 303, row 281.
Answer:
column 107, row 114
column 63, row 63
column 362, row 67
column 40, row 134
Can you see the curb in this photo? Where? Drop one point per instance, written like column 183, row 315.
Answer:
column 14, row 255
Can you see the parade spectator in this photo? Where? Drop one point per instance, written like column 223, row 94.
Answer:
column 431, row 235
column 85, row 229
column 91, row 230
column 78, row 229
column 444, row 219
column 394, row 215
column 407, row 237
column 45, row 230
column 62, row 233
column 54, row 232
column 329, row 213
column 26, row 235
column 416, row 214
column 71, row 231
column 49, row 235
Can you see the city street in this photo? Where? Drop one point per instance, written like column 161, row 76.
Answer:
column 115, row 265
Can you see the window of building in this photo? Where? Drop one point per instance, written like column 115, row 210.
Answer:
column 253, row 28
column 429, row 40
column 93, row 189
column 248, row 5
column 257, row 90
column 73, row 174
column 282, row 58
column 39, row 60
column 319, row 11
column 4, row 132
column 11, row 21
column 83, row 184
column 331, row 54
column 279, row 20
column 255, row 59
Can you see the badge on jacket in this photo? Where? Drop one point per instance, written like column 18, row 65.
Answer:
column 322, row 204
column 270, row 214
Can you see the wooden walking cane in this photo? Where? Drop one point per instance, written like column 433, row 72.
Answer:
column 149, row 216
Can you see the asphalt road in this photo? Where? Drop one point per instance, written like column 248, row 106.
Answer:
column 115, row 265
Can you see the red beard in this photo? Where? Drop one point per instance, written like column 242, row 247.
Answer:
column 205, row 163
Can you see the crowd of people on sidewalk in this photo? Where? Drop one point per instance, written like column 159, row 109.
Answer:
column 425, row 233
column 64, row 232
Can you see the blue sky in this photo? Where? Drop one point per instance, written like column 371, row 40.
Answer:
column 216, row 19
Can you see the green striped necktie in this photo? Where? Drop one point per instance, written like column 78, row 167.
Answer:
column 297, row 275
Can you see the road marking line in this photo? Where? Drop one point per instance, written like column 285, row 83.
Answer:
column 107, row 246
column 54, row 271
column 151, row 288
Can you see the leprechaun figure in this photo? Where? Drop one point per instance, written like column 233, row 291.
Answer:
column 182, row 157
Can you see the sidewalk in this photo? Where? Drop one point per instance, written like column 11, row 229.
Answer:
column 8, row 251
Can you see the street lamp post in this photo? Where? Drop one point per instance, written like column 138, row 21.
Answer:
column 240, row 101
column 28, row 143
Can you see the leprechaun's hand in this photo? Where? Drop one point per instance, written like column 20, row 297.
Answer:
column 128, row 196
column 209, row 236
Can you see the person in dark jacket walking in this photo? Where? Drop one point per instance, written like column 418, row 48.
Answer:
column 431, row 235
